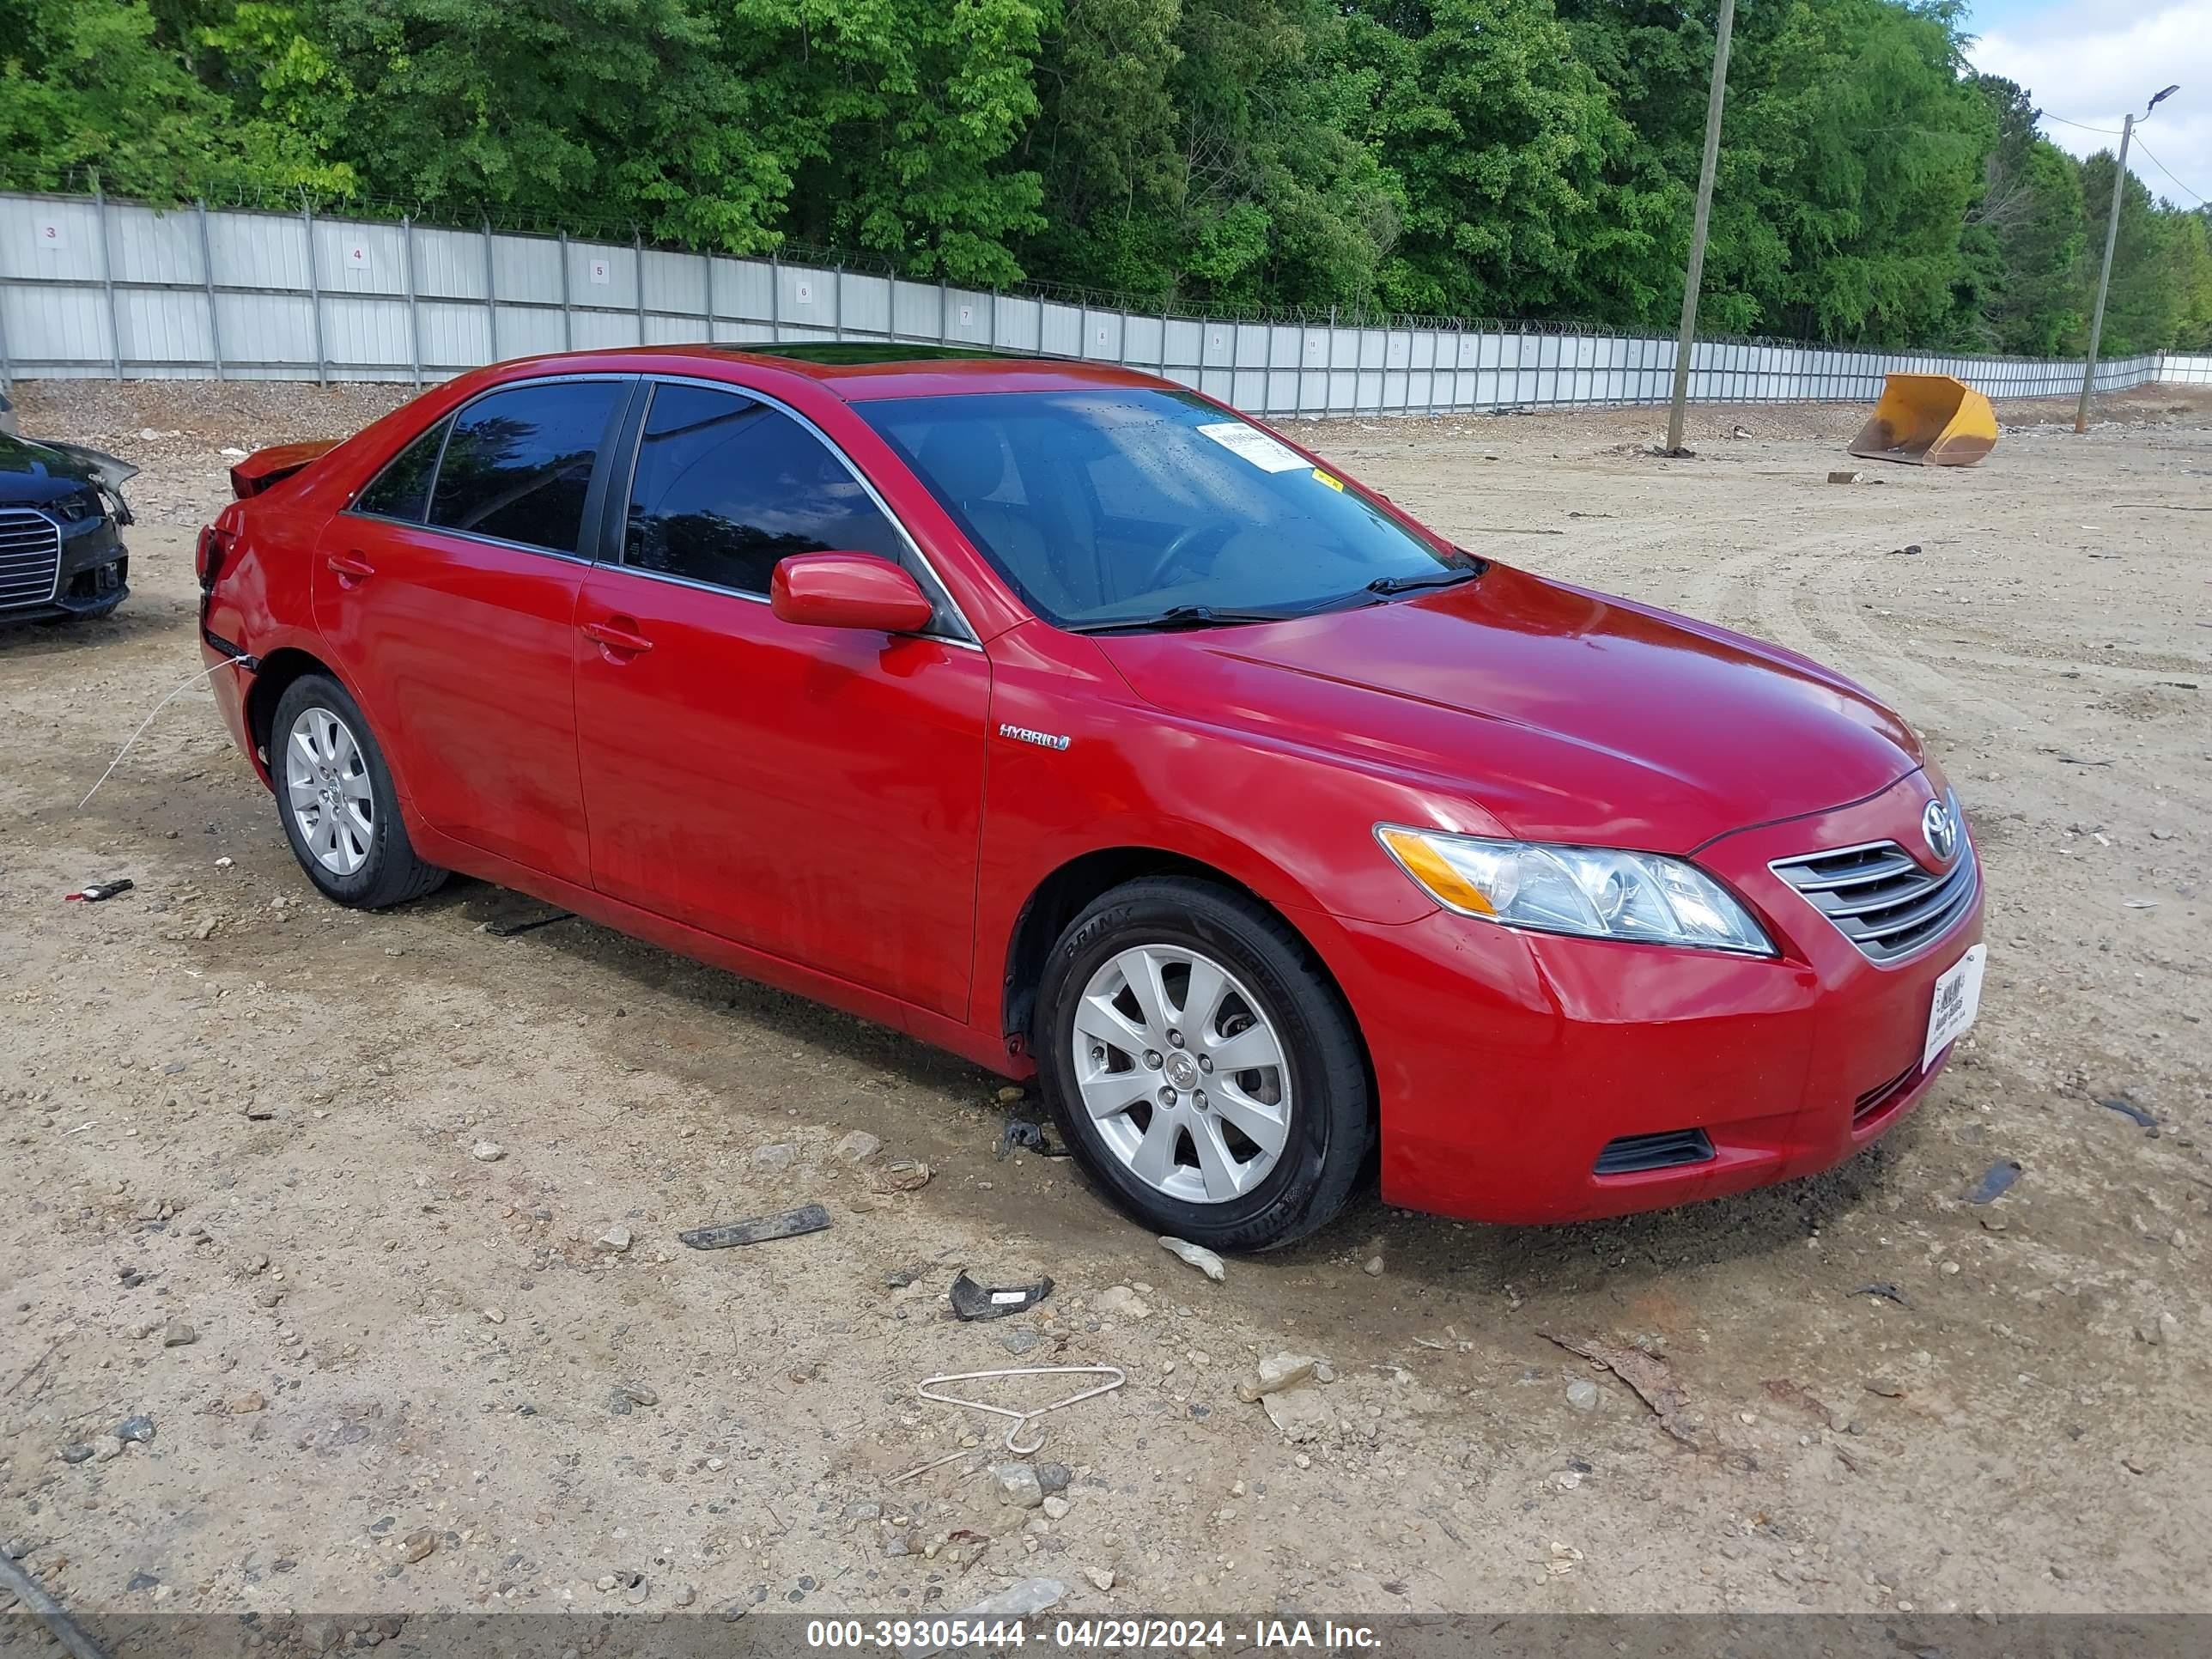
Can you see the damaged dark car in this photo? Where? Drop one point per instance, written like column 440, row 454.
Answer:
column 61, row 514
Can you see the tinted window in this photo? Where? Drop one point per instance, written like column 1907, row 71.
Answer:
column 402, row 490
column 1108, row 508
column 725, row 487
column 519, row 462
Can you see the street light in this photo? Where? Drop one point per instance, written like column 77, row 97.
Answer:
column 2112, row 235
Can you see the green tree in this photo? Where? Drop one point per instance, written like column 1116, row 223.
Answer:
column 2190, row 255
column 1285, row 201
column 1849, row 150
column 869, row 124
column 97, row 86
column 259, row 54
column 2024, row 238
column 2147, row 304
column 896, row 123
column 602, row 108
column 1521, row 191
column 1522, row 157
column 1105, row 145
column 1877, row 146
column 1208, row 151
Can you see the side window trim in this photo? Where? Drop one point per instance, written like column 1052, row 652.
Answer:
column 615, row 515
column 589, row 526
column 588, row 529
column 445, row 430
column 611, row 532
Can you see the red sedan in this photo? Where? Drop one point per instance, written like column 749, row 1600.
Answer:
column 1066, row 719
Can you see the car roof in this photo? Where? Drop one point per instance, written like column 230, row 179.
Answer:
column 864, row 370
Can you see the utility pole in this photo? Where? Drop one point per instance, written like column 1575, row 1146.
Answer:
column 1698, row 226
column 2105, row 276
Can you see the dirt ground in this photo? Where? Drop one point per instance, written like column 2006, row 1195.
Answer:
column 245, row 1192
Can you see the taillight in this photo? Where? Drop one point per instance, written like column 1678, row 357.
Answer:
column 207, row 557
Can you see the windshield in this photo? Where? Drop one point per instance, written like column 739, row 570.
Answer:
column 1122, row 505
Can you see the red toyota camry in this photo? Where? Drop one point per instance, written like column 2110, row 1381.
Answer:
column 1064, row 718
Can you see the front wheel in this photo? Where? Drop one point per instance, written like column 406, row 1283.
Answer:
column 335, row 797
column 1197, row 1056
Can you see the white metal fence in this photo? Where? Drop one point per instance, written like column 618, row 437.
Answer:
column 92, row 287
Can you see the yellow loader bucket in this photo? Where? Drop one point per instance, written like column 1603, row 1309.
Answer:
column 1930, row 419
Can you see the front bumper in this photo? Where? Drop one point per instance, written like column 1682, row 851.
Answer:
column 94, row 576
column 1506, row 1062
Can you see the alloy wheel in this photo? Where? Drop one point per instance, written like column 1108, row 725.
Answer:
column 1182, row 1072
column 326, row 778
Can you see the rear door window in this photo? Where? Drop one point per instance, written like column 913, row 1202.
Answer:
column 402, row 490
column 518, row 465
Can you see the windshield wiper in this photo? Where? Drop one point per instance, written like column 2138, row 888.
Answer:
column 1182, row 615
column 1452, row 578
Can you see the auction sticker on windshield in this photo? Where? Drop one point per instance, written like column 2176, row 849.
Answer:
column 1255, row 446
column 1958, row 998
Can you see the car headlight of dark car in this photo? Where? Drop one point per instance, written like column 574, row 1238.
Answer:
column 76, row 508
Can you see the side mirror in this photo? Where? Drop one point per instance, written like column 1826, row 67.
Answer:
column 849, row 590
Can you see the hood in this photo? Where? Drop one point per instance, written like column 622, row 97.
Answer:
column 33, row 473
column 1562, row 714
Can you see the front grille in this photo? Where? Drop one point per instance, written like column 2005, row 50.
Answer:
column 1880, row 897
column 1667, row 1149
column 1876, row 1101
column 30, row 558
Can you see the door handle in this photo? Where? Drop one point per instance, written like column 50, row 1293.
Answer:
column 619, row 641
column 351, row 567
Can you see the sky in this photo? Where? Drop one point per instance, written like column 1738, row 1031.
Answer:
column 2092, row 60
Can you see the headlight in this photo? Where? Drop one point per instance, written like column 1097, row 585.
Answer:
column 73, row 509
column 1591, row 891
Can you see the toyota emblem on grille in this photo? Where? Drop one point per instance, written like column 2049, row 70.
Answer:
column 1939, row 826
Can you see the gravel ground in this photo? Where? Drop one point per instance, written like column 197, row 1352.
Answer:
column 373, row 1216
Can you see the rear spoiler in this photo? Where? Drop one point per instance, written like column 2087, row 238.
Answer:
column 265, row 468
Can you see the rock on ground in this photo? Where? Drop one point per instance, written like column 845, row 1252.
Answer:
column 1298, row 1413
column 1120, row 1302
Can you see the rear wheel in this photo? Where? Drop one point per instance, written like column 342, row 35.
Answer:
column 335, row 795
column 1204, row 1068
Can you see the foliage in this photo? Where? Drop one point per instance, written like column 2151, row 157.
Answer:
column 2159, row 267
column 1206, row 149
column 1849, row 151
column 1514, row 157
column 1874, row 148
column 98, row 86
column 898, row 122
column 2025, row 238
column 1509, row 149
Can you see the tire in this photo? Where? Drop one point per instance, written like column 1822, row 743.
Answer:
column 352, row 843
column 1216, row 1184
